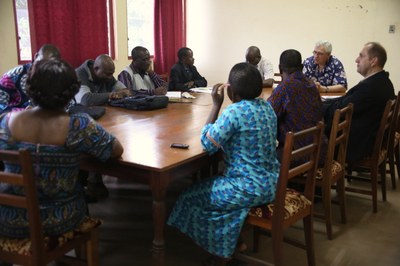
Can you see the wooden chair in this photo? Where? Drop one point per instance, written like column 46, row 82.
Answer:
column 396, row 144
column 376, row 162
column 290, row 206
column 333, row 171
column 39, row 250
column 393, row 144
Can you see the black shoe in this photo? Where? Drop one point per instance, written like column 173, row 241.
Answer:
column 97, row 190
column 89, row 199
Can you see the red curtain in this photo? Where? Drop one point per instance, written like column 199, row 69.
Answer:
column 77, row 27
column 169, row 32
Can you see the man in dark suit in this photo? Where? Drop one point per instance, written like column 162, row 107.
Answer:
column 184, row 74
column 368, row 97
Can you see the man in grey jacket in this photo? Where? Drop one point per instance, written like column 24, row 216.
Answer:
column 98, row 84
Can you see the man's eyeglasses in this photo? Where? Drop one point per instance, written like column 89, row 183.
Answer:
column 318, row 53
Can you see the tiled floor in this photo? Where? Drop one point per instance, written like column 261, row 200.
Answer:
column 126, row 235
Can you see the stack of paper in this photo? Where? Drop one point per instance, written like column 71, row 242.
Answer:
column 202, row 89
column 174, row 94
column 327, row 97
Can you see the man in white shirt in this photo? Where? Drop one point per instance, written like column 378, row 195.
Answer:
column 253, row 56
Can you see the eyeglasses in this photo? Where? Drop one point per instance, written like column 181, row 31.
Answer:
column 318, row 53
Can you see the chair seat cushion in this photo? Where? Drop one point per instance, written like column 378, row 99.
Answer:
column 294, row 202
column 336, row 168
column 367, row 162
column 396, row 139
column 23, row 246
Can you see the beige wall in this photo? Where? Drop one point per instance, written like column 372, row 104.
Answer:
column 8, row 45
column 219, row 31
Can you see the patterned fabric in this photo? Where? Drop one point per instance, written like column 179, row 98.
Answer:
column 294, row 202
column 332, row 74
column 298, row 106
column 61, row 198
column 336, row 168
column 213, row 211
column 13, row 89
column 24, row 246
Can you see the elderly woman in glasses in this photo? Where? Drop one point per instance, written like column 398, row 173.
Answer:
column 325, row 69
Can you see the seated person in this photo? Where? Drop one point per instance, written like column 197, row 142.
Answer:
column 325, row 69
column 98, row 84
column 140, row 77
column 296, row 101
column 184, row 75
column 13, row 83
column 369, row 98
column 253, row 56
column 56, row 141
column 213, row 211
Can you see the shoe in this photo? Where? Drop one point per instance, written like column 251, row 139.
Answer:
column 96, row 190
column 89, row 199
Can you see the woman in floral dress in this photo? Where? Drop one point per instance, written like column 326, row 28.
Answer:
column 212, row 212
column 56, row 141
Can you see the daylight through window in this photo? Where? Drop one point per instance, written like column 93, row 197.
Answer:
column 140, row 16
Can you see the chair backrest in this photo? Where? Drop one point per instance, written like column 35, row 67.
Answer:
column 338, row 139
column 290, row 167
column 398, row 116
column 29, row 201
column 394, row 126
column 382, row 135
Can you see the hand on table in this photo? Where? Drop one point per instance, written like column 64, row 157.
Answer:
column 119, row 94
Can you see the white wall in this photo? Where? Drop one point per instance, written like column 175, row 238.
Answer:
column 219, row 31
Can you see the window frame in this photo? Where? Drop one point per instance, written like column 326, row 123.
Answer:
column 20, row 61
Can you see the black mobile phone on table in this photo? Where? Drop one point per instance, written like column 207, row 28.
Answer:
column 179, row 146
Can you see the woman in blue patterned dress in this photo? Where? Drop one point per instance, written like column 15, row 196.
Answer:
column 212, row 212
column 56, row 140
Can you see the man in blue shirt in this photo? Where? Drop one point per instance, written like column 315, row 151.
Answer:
column 325, row 69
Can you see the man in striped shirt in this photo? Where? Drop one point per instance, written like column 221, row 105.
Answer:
column 139, row 77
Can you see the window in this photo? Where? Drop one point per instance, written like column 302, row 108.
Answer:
column 23, row 31
column 140, row 20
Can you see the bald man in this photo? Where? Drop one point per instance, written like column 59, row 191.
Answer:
column 253, row 56
column 98, row 84
column 13, row 82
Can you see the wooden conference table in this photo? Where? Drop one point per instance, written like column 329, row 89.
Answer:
column 148, row 159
